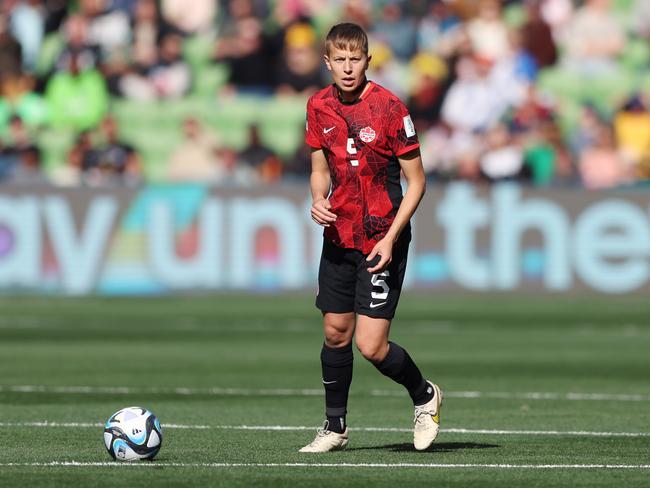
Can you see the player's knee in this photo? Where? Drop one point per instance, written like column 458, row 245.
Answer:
column 372, row 351
column 340, row 322
column 336, row 339
column 337, row 336
column 338, row 330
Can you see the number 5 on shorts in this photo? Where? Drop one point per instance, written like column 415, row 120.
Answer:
column 379, row 281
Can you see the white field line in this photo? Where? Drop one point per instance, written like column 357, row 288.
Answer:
column 155, row 464
column 94, row 425
column 449, row 431
column 48, row 424
column 264, row 392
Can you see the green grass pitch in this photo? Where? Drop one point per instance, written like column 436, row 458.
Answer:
column 539, row 392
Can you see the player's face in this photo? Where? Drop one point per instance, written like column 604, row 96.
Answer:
column 348, row 69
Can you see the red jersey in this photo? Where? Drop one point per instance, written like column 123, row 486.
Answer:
column 361, row 141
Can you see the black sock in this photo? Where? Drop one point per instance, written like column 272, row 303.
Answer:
column 337, row 377
column 336, row 424
column 399, row 367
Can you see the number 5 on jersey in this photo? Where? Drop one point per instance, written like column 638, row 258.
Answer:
column 351, row 151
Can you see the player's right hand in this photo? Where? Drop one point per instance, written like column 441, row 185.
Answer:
column 320, row 212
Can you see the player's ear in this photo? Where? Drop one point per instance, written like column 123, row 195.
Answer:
column 368, row 58
column 326, row 58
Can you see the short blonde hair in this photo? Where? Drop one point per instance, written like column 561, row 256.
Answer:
column 347, row 36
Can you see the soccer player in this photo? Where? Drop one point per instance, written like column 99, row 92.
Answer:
column 361, row 137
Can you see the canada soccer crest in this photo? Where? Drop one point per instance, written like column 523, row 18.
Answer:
column 367, row 134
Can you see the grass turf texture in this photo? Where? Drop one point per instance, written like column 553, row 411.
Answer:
column 495, row 344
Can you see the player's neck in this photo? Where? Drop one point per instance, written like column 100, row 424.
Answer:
column 349, row 98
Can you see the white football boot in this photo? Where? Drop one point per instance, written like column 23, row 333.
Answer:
column 427, row 420
column 327, row 441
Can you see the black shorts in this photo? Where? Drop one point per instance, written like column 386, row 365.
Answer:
column 345, row 285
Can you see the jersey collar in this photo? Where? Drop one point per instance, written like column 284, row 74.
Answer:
column 364, row 90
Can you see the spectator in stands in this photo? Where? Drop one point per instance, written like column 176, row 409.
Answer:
column 449, row 154
column 126, row 6
column 168, row 77
column 440, row 30
column 18, row 97
column 288, row 12
column 10, row 51
column 465, row 9
column 111, row 161
column 79, row 155
column 557, row 14
column 602, row 165
column 198, row 157
column 55, row 13
column 298, row 165
column 299, row 70
column 17, row 86
column 387, row 71
column 632, row 128
column 77, row 97
column 147, row 29
column 594, row 39
column 263, row 159
column 135, row 47
column 429, row 74
column 471, row 103
column 251, row 57
column 532, row 113
column 641, row 19
column 487, row 31
column 358, row 12
column 587, row 130
column 546, row 159
column 564, row 168
column 7, row 163
column 512, row 74
column 190, row 17
column 171, row 75
column 78, row 44
column 537, row 36
column 22, row 158
column 396, row 29
column 27, row 25
column 235, row 172
column 236, row 10
column 125, row 76
column 19, row 136
column 28, row 170
column 109, row 30
column 503, row 158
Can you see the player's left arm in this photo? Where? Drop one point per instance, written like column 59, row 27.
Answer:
column 411, row 164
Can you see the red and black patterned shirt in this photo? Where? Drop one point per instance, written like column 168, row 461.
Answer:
column 361, row 141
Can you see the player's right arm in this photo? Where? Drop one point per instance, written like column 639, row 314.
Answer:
column 320, row 182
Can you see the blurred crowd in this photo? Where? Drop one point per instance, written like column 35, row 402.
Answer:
column 548, row 92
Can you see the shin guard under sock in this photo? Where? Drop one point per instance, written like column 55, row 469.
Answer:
column 336, row 363
column 399, row 367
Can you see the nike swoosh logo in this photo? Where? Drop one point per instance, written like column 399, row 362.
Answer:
column 325, row 131
column 375, row 305
column 329, row 382
column 436, row 418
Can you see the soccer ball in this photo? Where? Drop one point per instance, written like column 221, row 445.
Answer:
column 132, row 433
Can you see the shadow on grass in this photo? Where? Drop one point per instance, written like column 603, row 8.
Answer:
column 439, row 447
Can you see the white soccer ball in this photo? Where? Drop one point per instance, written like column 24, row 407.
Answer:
column 132, row 433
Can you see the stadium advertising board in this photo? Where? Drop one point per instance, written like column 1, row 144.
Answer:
column 164, row 239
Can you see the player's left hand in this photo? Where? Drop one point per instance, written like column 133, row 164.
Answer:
column 383, row 249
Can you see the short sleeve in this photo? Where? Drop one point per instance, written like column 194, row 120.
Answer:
column 401, row 131
column 311, row 127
